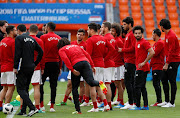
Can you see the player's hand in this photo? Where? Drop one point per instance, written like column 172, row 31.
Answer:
column 94, row 70
column 35, row 67
column 75, row 72
column 165, row 67
column 59, row 72
column 141, row 65
column 119, row 49
column 42, row 72
column 15, row 71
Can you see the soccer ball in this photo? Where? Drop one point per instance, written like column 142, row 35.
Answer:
column 7, row 108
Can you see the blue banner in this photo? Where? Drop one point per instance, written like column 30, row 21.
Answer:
column 57, row 13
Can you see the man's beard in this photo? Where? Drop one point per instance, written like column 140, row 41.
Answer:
column 138, row 38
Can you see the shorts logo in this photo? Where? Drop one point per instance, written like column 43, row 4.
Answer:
column 155, row 73
column 170, row 67
column 136, row 75
column 126, row 38
column 125, row 70
column 138, row 46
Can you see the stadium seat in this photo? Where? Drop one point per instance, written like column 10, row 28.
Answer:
column 172, row 9
column 135, row 2
column 175, row 23
column 149, row 30
column 149, row 35
column 124, row 15
column 113, row 2
column 123, row 2
column 75, row 1
column 39, row 1
column 51, row 1
column 160, row 16
column 159, row 2
column 149, row 16
column 147, row 2
column 171, row 2
column 138, row 22
column 123, row 8
column 149, row 23
column 173, row 16
column 15, row 1
column 135, row 8
column 99, row 1
column 3, row 1
column 87, row 1
column 176, row 30
column 27, row 1
column 63, row 1
column 136, row 16
column 160, row 9
column 147, row 8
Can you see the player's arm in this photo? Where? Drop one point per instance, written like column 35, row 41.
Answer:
column 89, row 47
column 89, row 58
column 158, row 48
column 172, row 47
column 40, row 53
column 111, row 50
column 132, row 46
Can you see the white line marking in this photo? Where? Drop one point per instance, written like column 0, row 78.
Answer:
column 17, row 107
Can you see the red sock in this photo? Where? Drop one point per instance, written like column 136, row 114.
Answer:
column 84, row 97
column 52, row 105
column 37, row 106
column 95, row 105
column 21, row 106
column 105, row 102
column 42, row 104
column 118, row 99
column 80, row 98
column 1, row 103
column 109, row 103
column 121, row 101
column 87, row 99
column 145, row 106
column 65, row 98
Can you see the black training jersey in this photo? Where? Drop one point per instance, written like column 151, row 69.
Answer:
column 24, row 50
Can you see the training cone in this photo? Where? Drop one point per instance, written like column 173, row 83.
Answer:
column 18, row 97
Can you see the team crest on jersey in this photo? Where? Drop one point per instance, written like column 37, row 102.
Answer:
column 126, row 38
column 82, row 47
column 138, row 46
column 112, row 40
column 166, row 40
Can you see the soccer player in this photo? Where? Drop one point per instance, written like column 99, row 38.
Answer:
column 96, row 47
column 119, row 64
column 24, row 54
column 80, row 63
column 172, row 53
column 157, row 63
column 129, row 59
column 109, row 70
column 7, row 48
column 80, row 36
column 52, row 61
column 142, row 67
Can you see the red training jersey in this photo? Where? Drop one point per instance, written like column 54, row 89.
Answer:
column 129, row 48
column 118, row 56
column 172, row 48
column 82, row 44
column 72, row 54
column 50, row 41
column 141, row 48
column 7, row 50
column 96, row 47
column 41, row 65
column 157, row 61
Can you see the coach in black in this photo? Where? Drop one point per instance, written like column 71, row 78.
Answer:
column 24, row 58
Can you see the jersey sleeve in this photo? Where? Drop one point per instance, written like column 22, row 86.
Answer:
column 158, row 48
column 88, row 57
column 132, row 46
column 18, row 51
column 89, row 47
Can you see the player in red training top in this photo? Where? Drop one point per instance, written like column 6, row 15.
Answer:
column 52, row 61
column 142, row 67
column 79, row 62
column 80, row 36
column 7, row 49
column 129, row 59
column 157, row 63
column 119, row 65
column 172, row 53
column 109, row 69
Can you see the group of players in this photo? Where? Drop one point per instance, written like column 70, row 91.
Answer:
column 108, row 56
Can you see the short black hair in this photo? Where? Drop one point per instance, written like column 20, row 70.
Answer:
column 98, row 26
column 93, row 26
column 107, row 24
column 81, row 30
column 21, row 27
column 129, row 20
column 138, row 27
column 51, row 25
column 63, row 42
column 33, row 28
column 117, row 27
column 2, row 23
column 165, row 23
column 10, row 28
column 157, row 31
column 44, row 25
column 123, row 31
